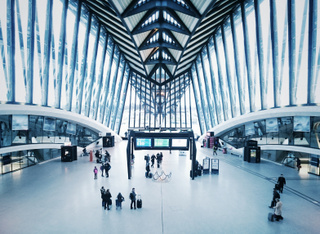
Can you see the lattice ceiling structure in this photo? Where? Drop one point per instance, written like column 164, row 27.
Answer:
column 165, row 34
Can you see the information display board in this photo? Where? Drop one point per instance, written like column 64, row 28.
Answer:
column 179, row 143
column 161, row 142
column 143, row 142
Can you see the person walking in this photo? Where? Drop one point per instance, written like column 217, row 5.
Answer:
column 281, row 182
column 278, row 210
column 147, row 170
column 107, row 199
column 102, row 169
column 298, row 163
column 158, row 160
column 119, row 200
column 215, row 150
column 98, row 157
column 107, row 167
column 95, row 172
column 133, row 199
column 161, row 157
column 102, row 191
column 153, row 158
column 147, row 158
column 275, row 196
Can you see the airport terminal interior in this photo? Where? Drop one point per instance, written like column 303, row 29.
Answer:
column 227, row 90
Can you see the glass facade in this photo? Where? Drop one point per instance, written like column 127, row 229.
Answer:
column 290, row 130
column 18, row 130
column 265, row 55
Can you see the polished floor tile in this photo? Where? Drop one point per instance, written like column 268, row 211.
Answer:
column 63, row 197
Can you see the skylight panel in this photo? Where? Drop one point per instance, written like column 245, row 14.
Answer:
column 167, row 17
column 152, row 19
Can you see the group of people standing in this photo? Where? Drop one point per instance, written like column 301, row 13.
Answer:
column 107, row 201
column 158, row 157
column 276, row 203
column 105, row 164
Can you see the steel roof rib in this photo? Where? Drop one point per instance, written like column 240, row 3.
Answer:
column 182, row 32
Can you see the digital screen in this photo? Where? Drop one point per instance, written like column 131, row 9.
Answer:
column 179, row 143
column 253, row 153
column 49, row 124
column 20, row 122
column 161, row 142
column 143, row 142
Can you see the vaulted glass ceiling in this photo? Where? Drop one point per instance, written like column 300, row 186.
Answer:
column 172, row 64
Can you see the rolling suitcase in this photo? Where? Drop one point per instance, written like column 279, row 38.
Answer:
column 139, row 202
column 270, row 217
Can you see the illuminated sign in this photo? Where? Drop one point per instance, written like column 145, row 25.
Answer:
column 143, row 142
column 161, row 142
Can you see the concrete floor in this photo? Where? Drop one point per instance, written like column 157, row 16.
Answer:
column 63, row 197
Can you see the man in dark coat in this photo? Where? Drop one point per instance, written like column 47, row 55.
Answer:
column 106, row 197
column 133, row 198
column 102, row 191
column 148, row 170
column 153, row 158
column 281, row 182
column 107, row 168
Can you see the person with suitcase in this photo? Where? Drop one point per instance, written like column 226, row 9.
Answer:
column 132, row 197
column 139, row 202
column 275, row 196
column 278, row 210
column 119, row 201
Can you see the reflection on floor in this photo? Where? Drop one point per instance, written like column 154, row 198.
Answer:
column 63, row 197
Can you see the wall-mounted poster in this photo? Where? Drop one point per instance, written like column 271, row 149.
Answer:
column 301, row 124
column 272, row 125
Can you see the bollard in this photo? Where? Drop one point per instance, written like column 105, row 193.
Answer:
column 91, row 156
